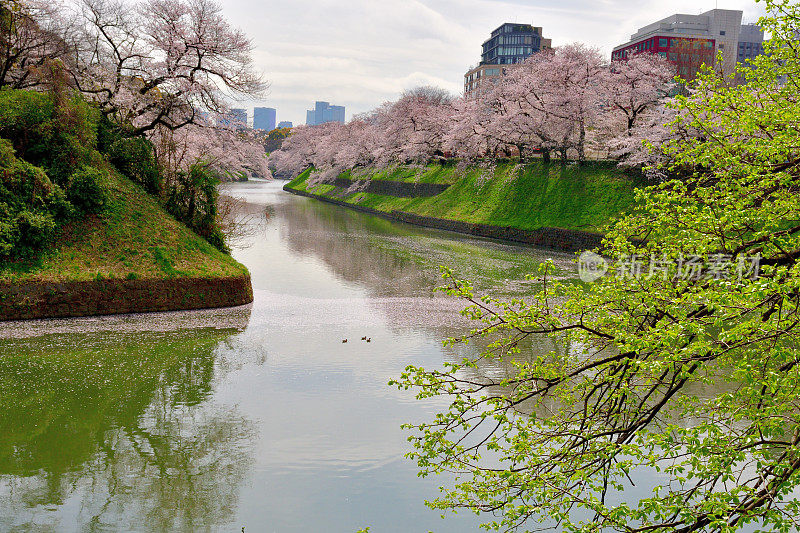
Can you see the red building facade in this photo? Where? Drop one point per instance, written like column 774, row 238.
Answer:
column 686, row 53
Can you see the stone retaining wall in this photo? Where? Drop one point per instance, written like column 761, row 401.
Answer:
column 400, row 189
column 29, row 300
column 559, row 239
column 556, row 238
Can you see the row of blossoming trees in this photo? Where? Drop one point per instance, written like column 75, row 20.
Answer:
column 566, row 102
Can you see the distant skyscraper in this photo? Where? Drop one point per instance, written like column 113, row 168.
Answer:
column 264, row 118
column 285, row 124
column 334, row 113
column 239, row 116
column 236, row 117
column 319, row 111
column 324, row 112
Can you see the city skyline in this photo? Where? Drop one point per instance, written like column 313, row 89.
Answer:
column 362, row 54
column 325, row 112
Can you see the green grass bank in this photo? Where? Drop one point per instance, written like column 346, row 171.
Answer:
column 133, row 238
column 134, row 257
column 530, row 198
column 90, row 224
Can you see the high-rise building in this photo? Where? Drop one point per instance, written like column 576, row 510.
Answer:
column 513, row 43
column 285, row 124
column 324, row 112
column 509, row 44
column 264, row 118
column 239, row 117
column 334, row 113
column 689, row 41
column 236, row 118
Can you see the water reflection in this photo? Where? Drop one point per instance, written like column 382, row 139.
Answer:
column 97, row 429
column 392, row 259
column 192, row 421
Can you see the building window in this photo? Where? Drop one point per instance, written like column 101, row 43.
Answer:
column 722, row 32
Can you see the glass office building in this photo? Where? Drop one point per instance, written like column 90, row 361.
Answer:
column 513, row 43
column 509, row 44
column 236, row 118
column 324, row 112
column 264, row 118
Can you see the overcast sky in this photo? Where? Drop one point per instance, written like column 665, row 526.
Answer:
column 360, row 53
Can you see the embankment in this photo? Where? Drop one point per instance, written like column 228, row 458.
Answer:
column 134, row 257
column 565, row 208
column 115, row 296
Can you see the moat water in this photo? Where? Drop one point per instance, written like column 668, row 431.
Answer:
column 256, row 417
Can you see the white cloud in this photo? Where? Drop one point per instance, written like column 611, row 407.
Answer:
column 361, row 53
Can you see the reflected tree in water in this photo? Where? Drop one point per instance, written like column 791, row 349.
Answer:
column 121, row 426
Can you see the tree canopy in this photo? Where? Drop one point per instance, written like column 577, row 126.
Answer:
column 680, row 365
column 161, row 69
column 566, row 101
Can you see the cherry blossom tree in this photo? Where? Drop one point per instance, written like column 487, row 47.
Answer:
column 633, row 87
column 550, row 101
column 32, row 33
column 639, row 147
column 520, row 109
column 157, row 63
column 230, row 153
column 470, row 135
column 415, row 125
column 297, row 152
column 359, row 142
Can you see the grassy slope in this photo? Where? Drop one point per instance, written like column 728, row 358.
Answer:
column 134, row 238
column 528, row 197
